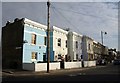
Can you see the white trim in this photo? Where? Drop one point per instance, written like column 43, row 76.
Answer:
column 59, row 30
column 95, row 41
column 34, row 33
column 33, row 23
column 36, row 45
column 33, row 26
column 76, row 34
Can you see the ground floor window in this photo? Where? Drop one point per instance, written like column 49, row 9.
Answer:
column 34, row 55
column 90, row 57
column 76, row 56
column 59, row 56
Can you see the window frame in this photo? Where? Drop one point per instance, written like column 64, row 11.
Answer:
column 45, row 41
column 59, row 56
column 66, row 42
column 59, row 42
column 33, row 38
column 76, row 44
column 35, row 55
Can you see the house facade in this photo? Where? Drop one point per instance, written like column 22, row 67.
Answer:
column 87, row 48
column 23, row 41
column 58, row 44
column 74, row 46
column 35, row 36
column 97, row 48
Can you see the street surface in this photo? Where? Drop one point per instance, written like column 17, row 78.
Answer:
column 106, row 73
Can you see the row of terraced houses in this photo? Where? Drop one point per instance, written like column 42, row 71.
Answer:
column 25, row 41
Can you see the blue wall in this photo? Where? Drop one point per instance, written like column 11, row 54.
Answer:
column 51, row 47
column 38, row 47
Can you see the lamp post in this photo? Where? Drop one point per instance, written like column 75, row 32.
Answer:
column 102, row 42
column 102, row 36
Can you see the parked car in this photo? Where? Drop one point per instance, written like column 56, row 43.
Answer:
column 116, row 62
column 101, row 62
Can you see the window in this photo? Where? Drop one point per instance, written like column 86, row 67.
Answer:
column 34, row 55
column 45, row 40
column 76, row 56
column 66, row 43
column 59, row 56
column 33, row 41
column 81, row 45
column 91, row 57
column 76, row 44
column 88, row 46
column 59, row 42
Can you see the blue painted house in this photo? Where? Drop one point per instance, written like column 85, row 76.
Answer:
column 35, row 36
column 23, row 41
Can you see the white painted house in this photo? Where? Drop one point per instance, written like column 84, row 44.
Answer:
column 87, row 48
column 58, row 43
column 74, row 46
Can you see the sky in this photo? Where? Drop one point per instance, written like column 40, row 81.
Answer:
column 86, row 18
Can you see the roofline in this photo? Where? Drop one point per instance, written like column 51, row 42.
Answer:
column 75, row 33
column 59, row 29
column 28, row 21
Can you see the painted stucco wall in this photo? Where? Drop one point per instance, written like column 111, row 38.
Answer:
column 72, row 50
column 30, row 27
column 86, row 41
column 56, row 34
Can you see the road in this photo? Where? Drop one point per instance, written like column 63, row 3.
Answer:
column 102, row 73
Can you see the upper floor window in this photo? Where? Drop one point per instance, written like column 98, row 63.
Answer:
column 88, row 46
column 81, row 45
column 45, row 40
column 33, row 40
column 66, row 44
column 59, row 42
column 76, row 44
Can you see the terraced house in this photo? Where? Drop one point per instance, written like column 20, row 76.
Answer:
column 87, row 48
column 24, row 45
column 58, row 44
column 23, row 41
column 74, row 46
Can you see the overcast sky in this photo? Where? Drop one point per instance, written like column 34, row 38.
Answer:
column 86, row 18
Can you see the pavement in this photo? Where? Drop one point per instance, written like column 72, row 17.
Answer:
column 13, row 72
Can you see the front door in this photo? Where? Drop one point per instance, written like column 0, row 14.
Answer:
column 44, row 57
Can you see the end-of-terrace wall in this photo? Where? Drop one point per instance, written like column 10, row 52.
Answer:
column 41, row 66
